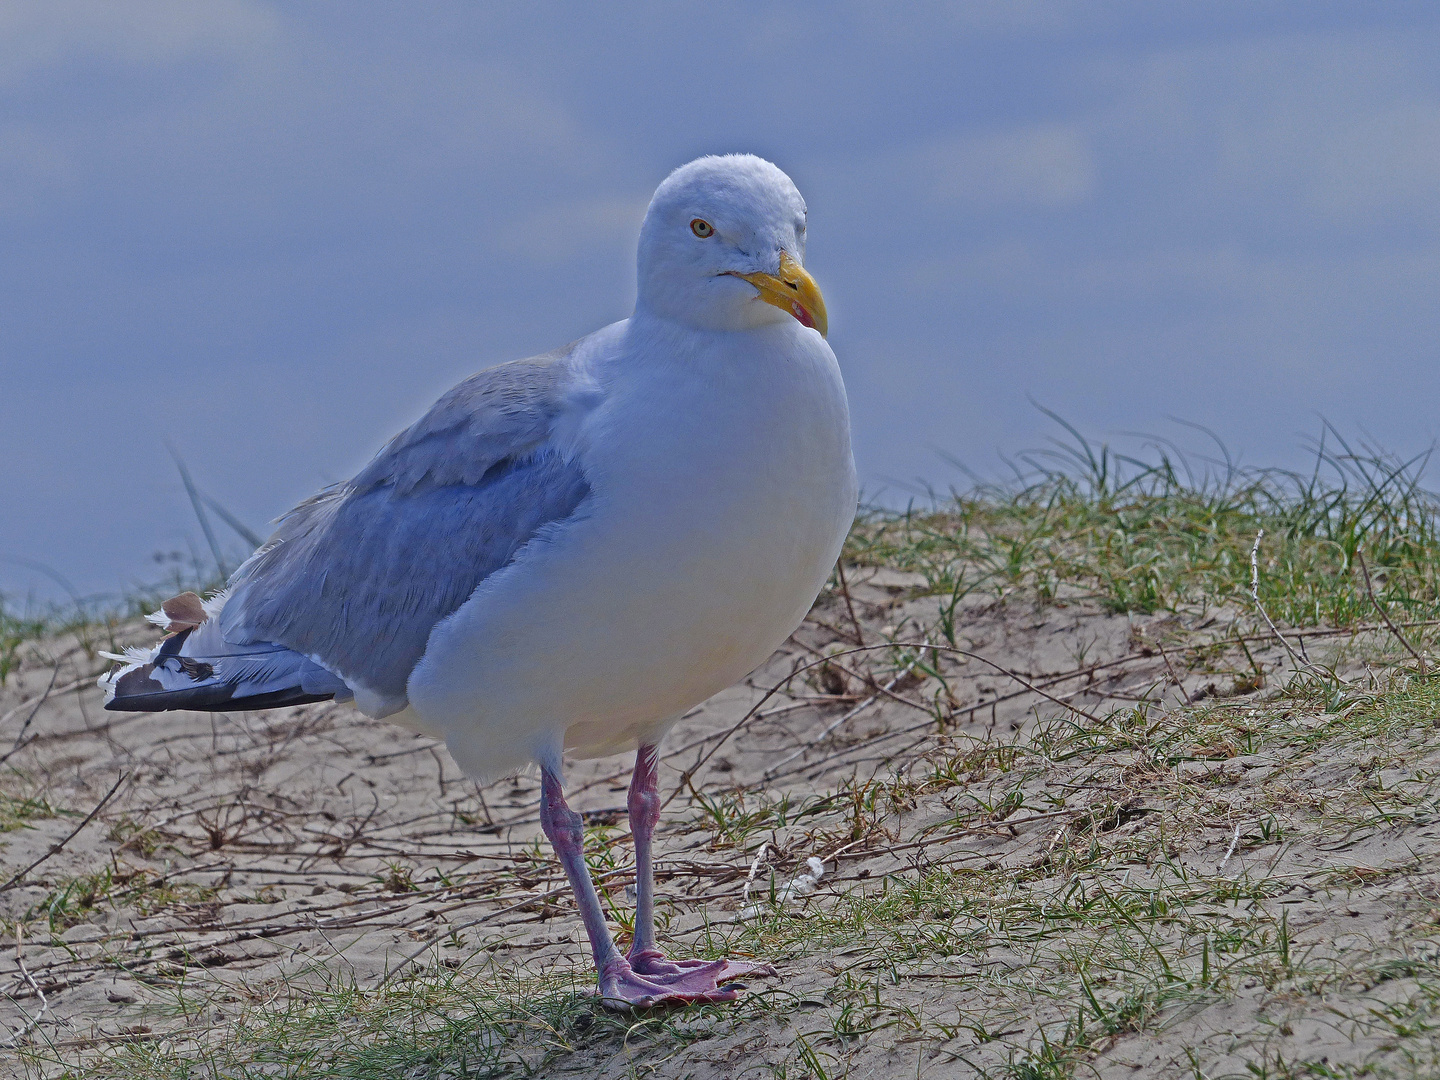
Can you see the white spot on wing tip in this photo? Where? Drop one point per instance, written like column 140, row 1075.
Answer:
column 129, row 660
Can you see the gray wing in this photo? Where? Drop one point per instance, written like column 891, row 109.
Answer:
column 358, row 575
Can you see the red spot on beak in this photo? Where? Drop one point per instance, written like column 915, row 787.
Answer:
column 801, row 314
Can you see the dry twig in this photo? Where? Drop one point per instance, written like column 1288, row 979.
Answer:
column 19, row 875
column 1370, row 589
column 849, row 605
column 1255, row 595
column 24, row 1033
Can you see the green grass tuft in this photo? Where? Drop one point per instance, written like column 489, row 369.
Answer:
column 1148, row 537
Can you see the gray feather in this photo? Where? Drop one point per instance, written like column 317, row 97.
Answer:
column 504, row 412
column 359, row 575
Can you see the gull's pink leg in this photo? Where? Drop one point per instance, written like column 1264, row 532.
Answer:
column 620, row 985
column 682, row 976
column 566, row 832
column 643, row 803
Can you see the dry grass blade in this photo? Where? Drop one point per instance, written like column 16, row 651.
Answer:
column 1370, row 591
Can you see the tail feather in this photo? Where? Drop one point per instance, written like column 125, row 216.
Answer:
column 196, row 668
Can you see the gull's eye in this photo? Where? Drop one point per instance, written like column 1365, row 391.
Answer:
column 702, row 228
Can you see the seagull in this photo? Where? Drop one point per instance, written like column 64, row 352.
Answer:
column 568, row 552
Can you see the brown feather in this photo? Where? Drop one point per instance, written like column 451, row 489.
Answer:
column 185, row 612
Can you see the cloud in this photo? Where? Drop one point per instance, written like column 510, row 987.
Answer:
column 44, row 151
column 974, row 16
column 1303, row 130
column 1043, row 166
column 33, row 165
column 38, row 34
column 561, row 231
column 1372, row 164
column 223, row 127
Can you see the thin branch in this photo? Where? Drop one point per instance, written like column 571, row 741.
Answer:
column 1255, row 595
column 24, row 1033
column 1360, row 558
column 1234, row 843
column 88, row 680
column 754, row 871
column 849, row 606
column 20, row 735
column 754, row 709
column 73, row 833
column 849, row 714
column 537, row 898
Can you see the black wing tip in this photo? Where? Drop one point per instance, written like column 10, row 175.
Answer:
column 217, row 698
column 139, row 691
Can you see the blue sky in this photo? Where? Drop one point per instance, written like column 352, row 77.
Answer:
column 272, row 233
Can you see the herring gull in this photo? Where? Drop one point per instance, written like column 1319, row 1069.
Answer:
column 568, row 552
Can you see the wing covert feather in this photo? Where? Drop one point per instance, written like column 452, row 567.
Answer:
column 358, row 575
column 502, row 412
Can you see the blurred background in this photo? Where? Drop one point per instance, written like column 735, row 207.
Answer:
column 270, row 234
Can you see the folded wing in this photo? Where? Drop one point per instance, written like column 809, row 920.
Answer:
column 344, row 595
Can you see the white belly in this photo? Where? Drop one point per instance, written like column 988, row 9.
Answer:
column 721, row 494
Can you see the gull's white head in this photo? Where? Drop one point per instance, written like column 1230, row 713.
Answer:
column 723, row 248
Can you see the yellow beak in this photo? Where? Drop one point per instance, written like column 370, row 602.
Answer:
column 793, row 290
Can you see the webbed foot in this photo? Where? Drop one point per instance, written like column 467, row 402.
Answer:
column 646, row 978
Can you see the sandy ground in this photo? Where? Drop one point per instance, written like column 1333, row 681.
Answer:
column 243, row 857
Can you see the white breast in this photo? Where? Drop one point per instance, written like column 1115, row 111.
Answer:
column 722, row 489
